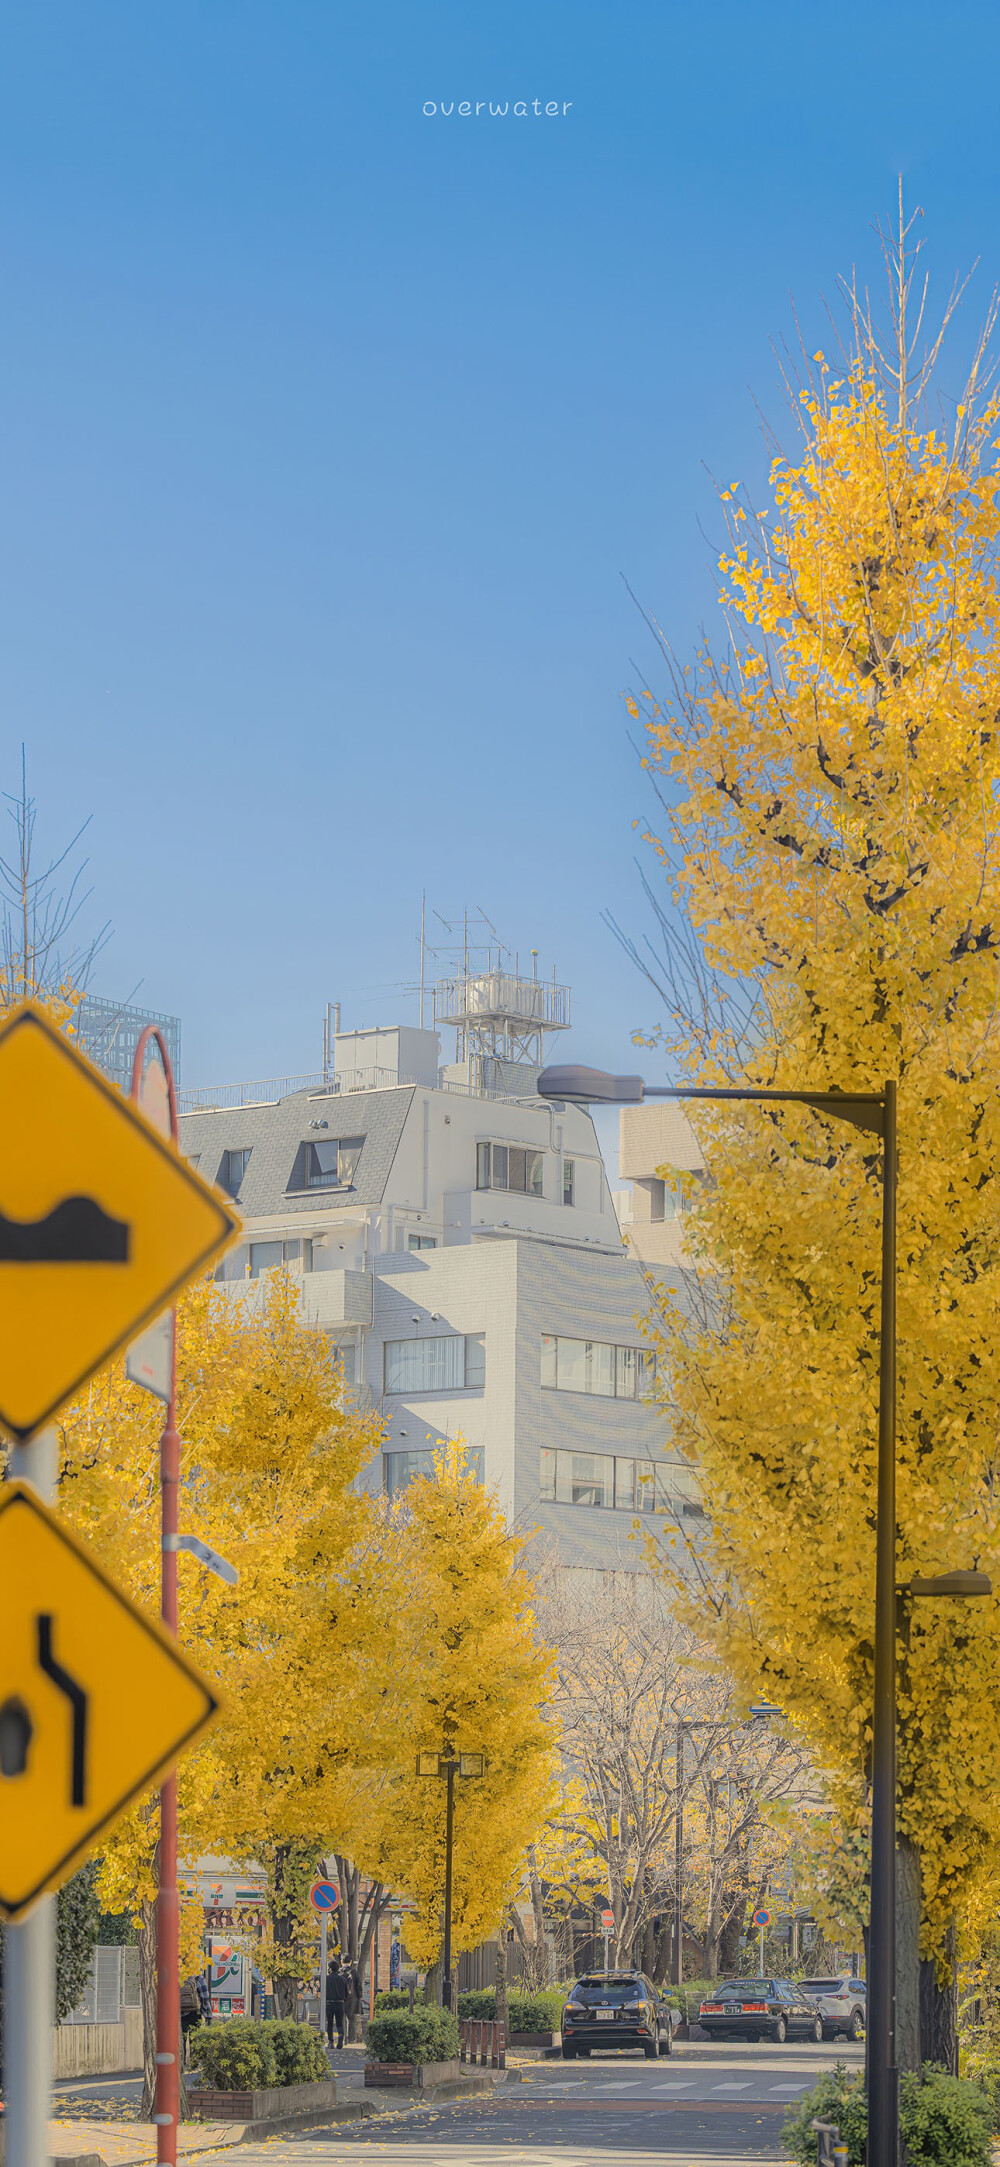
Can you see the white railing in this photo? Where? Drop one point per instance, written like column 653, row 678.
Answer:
column 220, row 1098
column 499, row 995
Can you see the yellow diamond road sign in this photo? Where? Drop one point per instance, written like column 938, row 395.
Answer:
column 96, row 1701
column 101, row 1221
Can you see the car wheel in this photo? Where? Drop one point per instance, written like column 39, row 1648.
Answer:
column 780, row 2032
column 666, row 2044
column 816, row 2034
column 856, row 2027
column 649, row 2051
column 583, row 2052
column 569, row 2053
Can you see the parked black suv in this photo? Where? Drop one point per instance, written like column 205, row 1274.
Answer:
column 607, row 2009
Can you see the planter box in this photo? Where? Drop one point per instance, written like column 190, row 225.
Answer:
column 267, row 2106
column 383, row 2076
column 535, row 2039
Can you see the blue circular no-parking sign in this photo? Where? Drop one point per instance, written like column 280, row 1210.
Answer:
column 324, row 1896
column 762, row 1918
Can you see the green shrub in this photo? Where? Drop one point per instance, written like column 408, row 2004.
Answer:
column 244, row 2055
column 235, row 2056
column 480, row 2004
column 536, row 2012
column 945, row 2121
column 397, row 1997
column 298, row 2051
column 687, row 1998
column 429, row 2035
column 528, row 2012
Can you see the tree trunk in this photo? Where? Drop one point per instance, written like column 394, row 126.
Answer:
column 538, row 1914
column 286, row 1985
column 939, row 2012
column 432, row 1983
column 147, row 1994
column 735, row 1909
column 908, row 1967
column 502, row 2009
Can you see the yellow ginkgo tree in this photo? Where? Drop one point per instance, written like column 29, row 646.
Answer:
column 303, row 1647
column 829, row 774
column 481, row 1686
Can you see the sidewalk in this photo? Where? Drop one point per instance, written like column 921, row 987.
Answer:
column 93, row 2142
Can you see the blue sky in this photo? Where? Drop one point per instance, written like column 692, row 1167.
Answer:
column 331, row 431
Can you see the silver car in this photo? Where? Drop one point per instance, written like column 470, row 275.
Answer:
column 842, row 2003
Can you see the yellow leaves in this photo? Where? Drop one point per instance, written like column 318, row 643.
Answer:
column 839, row 863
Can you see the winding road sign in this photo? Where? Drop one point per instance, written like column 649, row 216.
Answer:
column 96, row 1701
column 102, row 1221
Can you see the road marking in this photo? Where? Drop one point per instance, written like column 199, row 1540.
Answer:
column 775, row 2089
column 662, row 2089
column 731, row 2087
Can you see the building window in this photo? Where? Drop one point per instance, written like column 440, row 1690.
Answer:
column 421, row 1241
column 627, row 1485
column 663, row 1487
column 265, row 1256
column 509, row 1166
column 446, row 1362
column 569, row 1180
column 333, row 1163
column 234, row 1166
column 591, row 1365
column 402, row 1468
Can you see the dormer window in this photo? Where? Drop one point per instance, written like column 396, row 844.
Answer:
column 234, row 1166
column 333, row 1163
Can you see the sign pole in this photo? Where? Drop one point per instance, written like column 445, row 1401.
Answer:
column 30, row 1950
column 322, row 1976
column 153, row 1090
column 762, row 1932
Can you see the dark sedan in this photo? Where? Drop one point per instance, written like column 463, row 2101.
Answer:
column 760, row 2009
column 610, row 2009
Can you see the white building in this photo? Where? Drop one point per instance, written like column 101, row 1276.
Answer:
column 460, row 1245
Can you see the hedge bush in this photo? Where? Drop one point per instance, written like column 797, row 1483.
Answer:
column 429, row 2035
column 528, row 2012
column 243, row 2055
column 944, row 2121
column 235, row 2056
column 393, row 1997
column 298, row 2051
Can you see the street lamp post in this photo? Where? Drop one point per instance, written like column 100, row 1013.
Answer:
column 449, row 1764
column 874, row 1112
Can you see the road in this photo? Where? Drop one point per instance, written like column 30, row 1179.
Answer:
column 710, row 2105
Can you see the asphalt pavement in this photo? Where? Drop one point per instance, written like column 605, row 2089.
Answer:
column 710, row 2105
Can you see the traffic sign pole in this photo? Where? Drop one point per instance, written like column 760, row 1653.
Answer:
column 322, row 1975
column 153, row 1090
column 29, row 1965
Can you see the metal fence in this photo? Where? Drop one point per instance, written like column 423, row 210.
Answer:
column 113, row 1985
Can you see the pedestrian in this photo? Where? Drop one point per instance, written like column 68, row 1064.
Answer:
column 204, row 1998
column 337, row 1989
column 354, row 1997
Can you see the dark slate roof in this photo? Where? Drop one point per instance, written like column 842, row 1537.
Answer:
column 275, row 1135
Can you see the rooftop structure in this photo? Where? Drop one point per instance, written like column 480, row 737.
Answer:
column 109, row 1032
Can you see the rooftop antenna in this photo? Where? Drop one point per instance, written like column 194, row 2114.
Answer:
column 423, row 950
column 534, row 965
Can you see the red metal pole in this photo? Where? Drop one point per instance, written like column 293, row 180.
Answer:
column 166, row 2112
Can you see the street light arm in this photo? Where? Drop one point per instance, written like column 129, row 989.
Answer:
column 594, row 1086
